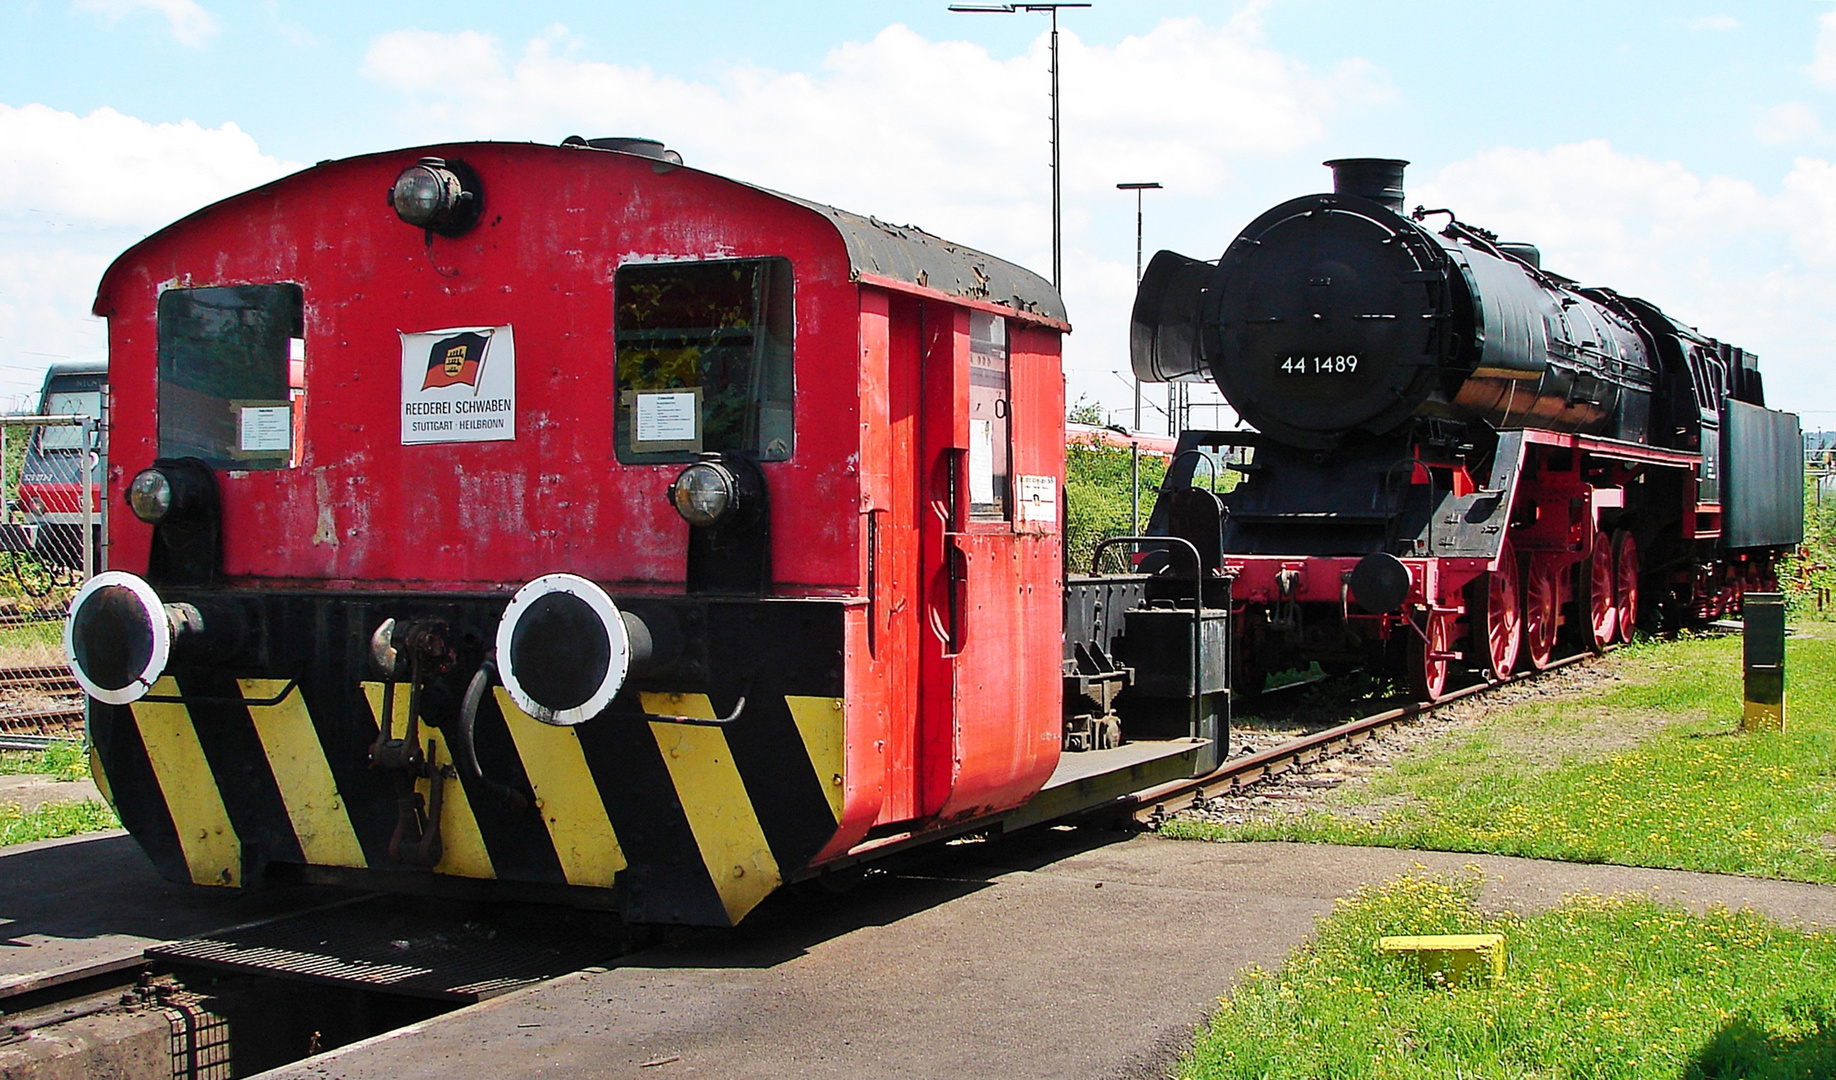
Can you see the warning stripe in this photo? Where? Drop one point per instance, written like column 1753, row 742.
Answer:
column 714, row 798
column 566, row 796
column 819, row 721
column 301, row 771
column 100, row 775
column 213, row 852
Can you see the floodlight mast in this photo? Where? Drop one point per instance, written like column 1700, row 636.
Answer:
column 1052, row 10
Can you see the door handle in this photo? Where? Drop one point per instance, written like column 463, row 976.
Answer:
column 950, row 595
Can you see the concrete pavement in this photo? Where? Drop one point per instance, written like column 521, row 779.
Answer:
column 1067, row 954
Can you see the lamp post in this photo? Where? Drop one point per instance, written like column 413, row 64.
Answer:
column 1052, row 10
column 1138, row 186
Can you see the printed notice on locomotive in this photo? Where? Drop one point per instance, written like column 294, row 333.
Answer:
column 1038, row 500
column 264, row 428
column 458, row 385
column 669, row 420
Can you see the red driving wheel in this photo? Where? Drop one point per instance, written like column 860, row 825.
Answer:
column 1597, row 579
column 1625, row 582
column 1498, row 615
column 1428, row 658
column 1542, row 602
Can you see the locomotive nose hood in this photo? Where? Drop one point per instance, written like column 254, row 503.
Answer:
column 1324, row 317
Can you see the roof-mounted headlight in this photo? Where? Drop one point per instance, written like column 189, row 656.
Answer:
column 438, row 195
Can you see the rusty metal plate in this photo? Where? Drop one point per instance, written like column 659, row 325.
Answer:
column 389, row 950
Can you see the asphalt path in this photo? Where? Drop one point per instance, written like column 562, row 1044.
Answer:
column 1068, row 954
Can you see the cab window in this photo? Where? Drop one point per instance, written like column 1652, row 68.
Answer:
column 224, row 391
column 990, row 439
column 87, row 402
column 703, row 358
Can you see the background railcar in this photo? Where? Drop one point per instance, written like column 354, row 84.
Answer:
column 52, row 473
column 1457, row 455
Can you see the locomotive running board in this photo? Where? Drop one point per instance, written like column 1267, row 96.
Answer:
column 1092, row 779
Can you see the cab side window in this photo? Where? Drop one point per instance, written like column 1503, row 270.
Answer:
column 990, row 437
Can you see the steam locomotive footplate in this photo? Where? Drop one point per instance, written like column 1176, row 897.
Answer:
column 412, row 950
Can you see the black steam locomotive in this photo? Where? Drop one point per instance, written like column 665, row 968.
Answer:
column 1457, row 455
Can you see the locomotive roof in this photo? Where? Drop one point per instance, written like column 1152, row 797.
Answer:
column 909, row 254
column 900, row 253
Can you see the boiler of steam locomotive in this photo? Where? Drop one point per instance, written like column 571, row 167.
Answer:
column 1335, row 316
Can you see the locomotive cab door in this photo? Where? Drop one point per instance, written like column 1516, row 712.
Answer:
column 989, row 573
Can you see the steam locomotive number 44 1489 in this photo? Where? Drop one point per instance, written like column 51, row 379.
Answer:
column 1320, row 365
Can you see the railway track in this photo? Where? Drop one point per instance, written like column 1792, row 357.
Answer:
column 44, row 679
column 1155, row 804
column 39, row 703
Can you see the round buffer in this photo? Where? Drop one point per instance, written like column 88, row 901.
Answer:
column 116, row 637
column 562, row 649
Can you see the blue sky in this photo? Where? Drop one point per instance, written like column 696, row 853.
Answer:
column 1679, row 151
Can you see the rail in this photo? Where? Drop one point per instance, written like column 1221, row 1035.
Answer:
column 1156, row 803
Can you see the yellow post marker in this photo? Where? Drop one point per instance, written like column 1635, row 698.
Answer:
column 1763, row 654
column 1454, row 957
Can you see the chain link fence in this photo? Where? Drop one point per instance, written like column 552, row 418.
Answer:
column 50, row 543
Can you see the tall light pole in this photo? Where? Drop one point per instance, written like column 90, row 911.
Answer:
column 1052, row 10
column 1138, row 186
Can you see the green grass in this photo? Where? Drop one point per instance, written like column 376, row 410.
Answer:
column 49, row 821
column 1651, row 773
column 64, row 760
column 1598, row 987
column 33, row 644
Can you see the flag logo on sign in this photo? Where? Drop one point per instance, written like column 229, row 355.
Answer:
column 455, row 360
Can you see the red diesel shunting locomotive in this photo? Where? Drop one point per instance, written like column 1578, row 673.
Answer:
column 625, row 527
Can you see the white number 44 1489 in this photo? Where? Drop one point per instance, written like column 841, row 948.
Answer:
column 1320, row 365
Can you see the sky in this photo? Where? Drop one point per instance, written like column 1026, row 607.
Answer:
column 1682, row 151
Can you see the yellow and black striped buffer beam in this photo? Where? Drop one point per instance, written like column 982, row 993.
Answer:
column 688, row 823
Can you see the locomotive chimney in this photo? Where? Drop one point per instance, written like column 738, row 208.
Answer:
column 1376, row 179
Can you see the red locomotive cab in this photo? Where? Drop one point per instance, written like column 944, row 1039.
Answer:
column 574, row 519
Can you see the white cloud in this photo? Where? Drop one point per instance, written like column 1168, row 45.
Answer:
column 1823, row 66
column 1713, row 22
column 106, row 168
column 936, row 133
column 1790, row 122
column 190, row 24
column 75, row 191
column 1747, row 265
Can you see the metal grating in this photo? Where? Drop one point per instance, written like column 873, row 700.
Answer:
column 200, row 1045
column 447, row 960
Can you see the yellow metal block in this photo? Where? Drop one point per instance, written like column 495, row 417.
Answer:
column 1454, row 957
column 1763, row 716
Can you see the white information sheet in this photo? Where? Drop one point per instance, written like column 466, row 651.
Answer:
column 266, row 429
column 672, row 416
column 981, row 461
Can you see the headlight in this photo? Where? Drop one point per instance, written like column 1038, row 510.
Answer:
column 704, row 493
column 150, row 496
column 435, row 195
